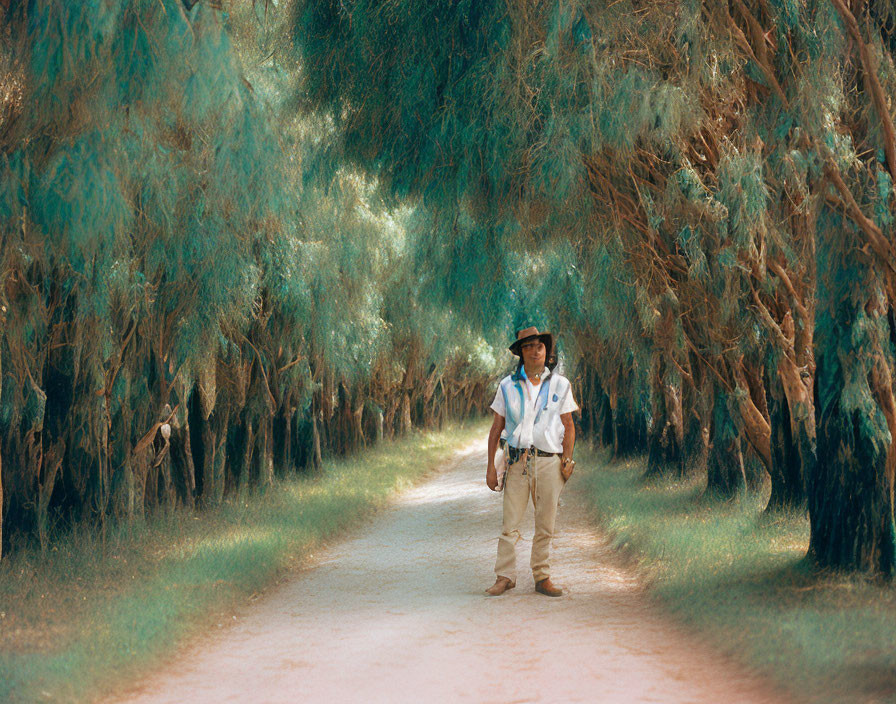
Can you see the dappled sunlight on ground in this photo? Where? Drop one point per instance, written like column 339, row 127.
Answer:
column 396, row 613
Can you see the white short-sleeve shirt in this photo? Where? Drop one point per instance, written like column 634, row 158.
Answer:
column 532, row 413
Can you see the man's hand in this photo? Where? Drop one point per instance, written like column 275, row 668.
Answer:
column 494, row 436
column 569, row 442
column 566, row 466
column 491, row 477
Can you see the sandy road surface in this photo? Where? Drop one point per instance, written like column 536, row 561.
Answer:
column 397, row 613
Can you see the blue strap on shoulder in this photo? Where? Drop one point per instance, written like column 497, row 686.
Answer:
column 543, row 395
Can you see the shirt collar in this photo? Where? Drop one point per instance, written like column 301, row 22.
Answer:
column 521, row 374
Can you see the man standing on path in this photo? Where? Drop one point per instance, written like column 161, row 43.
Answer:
column 534, row 406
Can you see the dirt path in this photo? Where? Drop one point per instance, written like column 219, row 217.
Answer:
column 397, row 614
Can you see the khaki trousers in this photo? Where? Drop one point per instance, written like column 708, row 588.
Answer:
column 543, row 482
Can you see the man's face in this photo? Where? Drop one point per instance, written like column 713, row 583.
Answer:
column 533, row 352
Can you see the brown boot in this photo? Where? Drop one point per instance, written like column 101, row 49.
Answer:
column 501, row 585
column 545, row 587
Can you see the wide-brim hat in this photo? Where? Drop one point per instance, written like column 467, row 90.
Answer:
column 532, row 333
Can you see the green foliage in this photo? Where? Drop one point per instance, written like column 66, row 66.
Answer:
column 178, row 247
column 325, row 205
column 675, row 156
column 744, row 193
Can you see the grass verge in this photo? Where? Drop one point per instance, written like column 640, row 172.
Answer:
column 740, row 578
column 87, row 617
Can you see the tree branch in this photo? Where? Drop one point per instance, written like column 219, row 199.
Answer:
column 766, row 69
column 872, row 84
column 770, row 323
column 873, row 235
column 782, row 274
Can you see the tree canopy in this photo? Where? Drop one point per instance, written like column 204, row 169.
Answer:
column 189, row 304
column 701, row 194
column 237, row 236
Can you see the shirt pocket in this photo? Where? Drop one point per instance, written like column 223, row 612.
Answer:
column 554, row 401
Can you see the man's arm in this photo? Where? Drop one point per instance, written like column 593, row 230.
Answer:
column 569, row 442
column 494, row 437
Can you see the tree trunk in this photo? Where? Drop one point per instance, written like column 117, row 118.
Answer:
column 675, row 419
column 657, row 437
column 141, row 463
column 182, row 465
column 127, row 492
column 850, row 492
column 246, row 457
column 220, row 465
column 209, row 475
column 754, row 423
column 51, row 462
column 695, row 443
column 405, row 418
column 283, row 442
column 605, row 421
column 697, row 401
column 850, row 505
column 725, row 464
column 666, row 434
column 589, row 400
column 298, row 451
column 265, row 453
column 124, row 489
column 345, row 437
column 167, row 495
column 214, row 442
column 786, row 471
column 358, row 423
column 389, row 417
column 629, row 428
column 317, row 461
column 798, row 384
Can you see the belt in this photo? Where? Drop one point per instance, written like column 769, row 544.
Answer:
column 514, row 453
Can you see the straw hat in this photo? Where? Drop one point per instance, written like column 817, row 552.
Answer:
column 530, row 334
